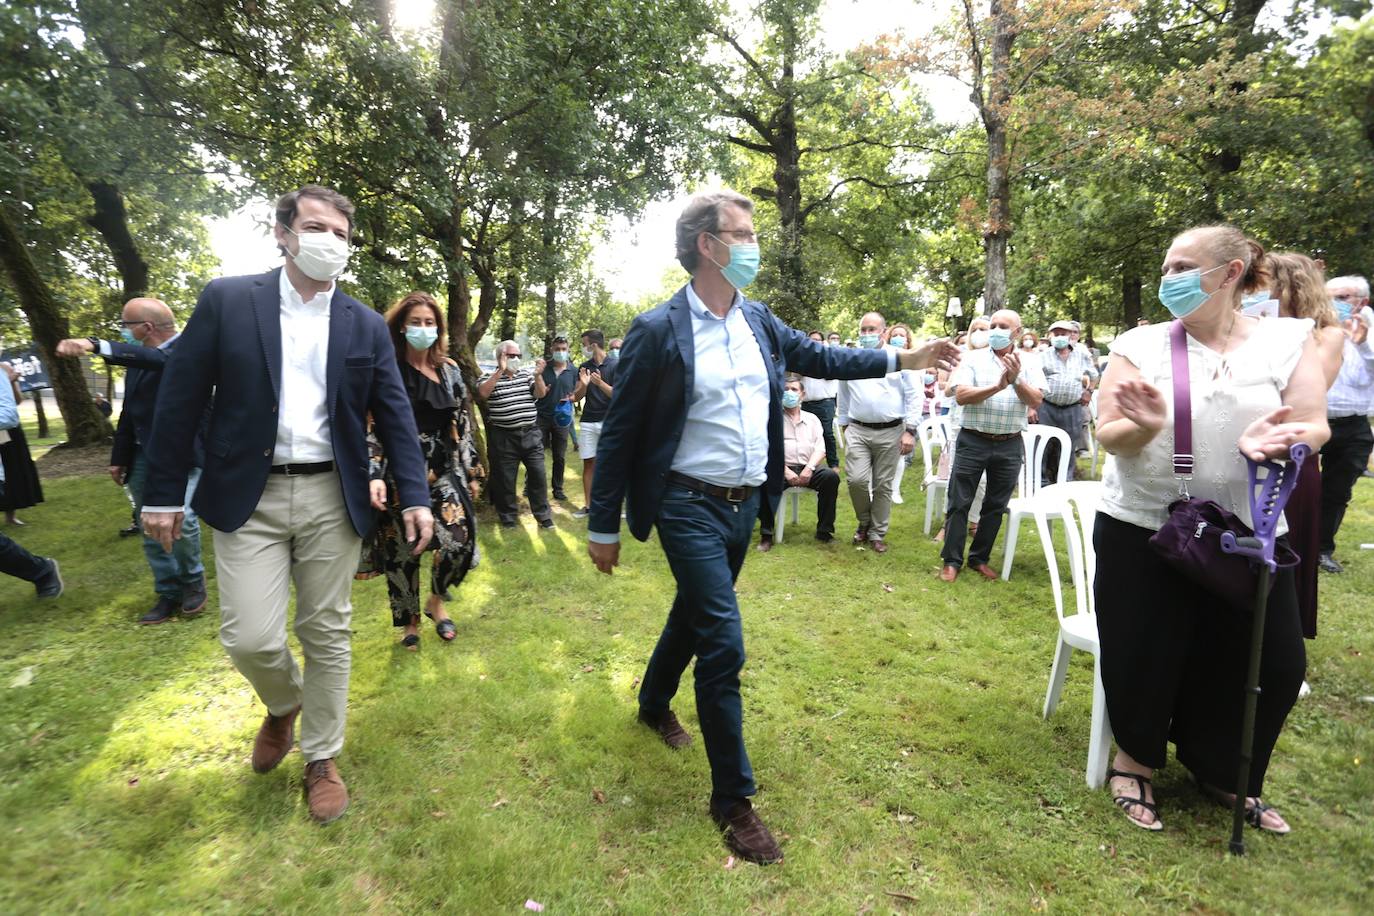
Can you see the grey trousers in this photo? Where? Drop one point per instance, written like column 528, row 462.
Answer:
column 870, row 465
column 300, row 532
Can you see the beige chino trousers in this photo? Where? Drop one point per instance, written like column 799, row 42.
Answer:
column 870, row 465
column 300, row 532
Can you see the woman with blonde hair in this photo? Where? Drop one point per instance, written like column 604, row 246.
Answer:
column 1173, row 656
column 443, row 416
column 1299, row 285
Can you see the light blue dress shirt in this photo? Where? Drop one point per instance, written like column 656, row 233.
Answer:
column 9, row 411
column 725, row 438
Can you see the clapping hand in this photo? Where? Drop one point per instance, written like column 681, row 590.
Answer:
column 1357, row 330
column 1142, row 404
column 585, row 376
column 1270, row 437
column 539, row 365
column 1012, row 362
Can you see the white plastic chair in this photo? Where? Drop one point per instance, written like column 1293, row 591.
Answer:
column 931, row 432
column 1076, row 504
column 1034, row 439
column 794, row 493
column 1092, row 433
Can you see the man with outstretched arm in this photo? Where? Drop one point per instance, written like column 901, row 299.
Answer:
column 692, row 442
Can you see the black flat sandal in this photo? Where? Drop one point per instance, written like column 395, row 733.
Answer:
column 1125, row 802
column 411, row 641
column 446, row 629
column 1254, row 814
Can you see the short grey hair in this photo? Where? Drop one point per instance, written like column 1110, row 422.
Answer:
column 702, row 214
column 1355, row 280
column 501, row 347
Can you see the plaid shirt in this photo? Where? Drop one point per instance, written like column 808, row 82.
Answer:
column 1004, row 412
column 1065, row 377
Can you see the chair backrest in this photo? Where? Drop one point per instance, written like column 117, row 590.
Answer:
column 1034, row 439
column 931, row 432
column 1075, row 504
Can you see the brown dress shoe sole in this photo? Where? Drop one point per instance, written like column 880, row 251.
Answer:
column 268, row 764
column 986, row 571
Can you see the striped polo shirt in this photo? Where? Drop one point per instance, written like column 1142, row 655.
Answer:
column 512, row 404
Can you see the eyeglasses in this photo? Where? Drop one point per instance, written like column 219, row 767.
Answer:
column 133, row 324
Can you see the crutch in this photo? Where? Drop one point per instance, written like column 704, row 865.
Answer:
column 1268, row 495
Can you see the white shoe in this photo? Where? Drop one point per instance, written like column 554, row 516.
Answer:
column 1304, row 690
column 581, row 513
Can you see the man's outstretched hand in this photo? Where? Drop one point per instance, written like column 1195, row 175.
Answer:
column 938, row 354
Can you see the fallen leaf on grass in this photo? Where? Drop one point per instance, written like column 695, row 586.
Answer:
column 905, row 818
column 900, row 896
column 533, row 906
column 598, row 796
column 133, row 780
column 886, row 587
column 730, row 862
column 438, row 814
column 588, row 668
column 24, row 678
column 500, row 803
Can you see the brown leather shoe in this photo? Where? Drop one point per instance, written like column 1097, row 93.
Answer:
column 879, row 546
column 746, row 835
column 949, row 573
column 984, row 570
column 765, row 544
column 669, row 729
column 274, row 741
column 326, row 792
column 860, row 536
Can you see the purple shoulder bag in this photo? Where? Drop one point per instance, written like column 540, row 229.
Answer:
column 1191, row 538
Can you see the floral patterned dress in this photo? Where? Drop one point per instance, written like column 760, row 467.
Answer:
column 443, row 414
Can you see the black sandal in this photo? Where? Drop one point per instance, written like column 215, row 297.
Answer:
column 446, row 629
column 411, row 641
column 1254, row 814
column 1125, row 802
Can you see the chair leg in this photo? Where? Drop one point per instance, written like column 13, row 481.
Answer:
column 1009, row 551
column 796, row 506
column 1058, row 673
column 930, row 505
column 779, row 517
column 1100, row 738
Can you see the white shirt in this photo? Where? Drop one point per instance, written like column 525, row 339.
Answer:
column 1139, row 488
column 1352, row 393
column 725, row 438
column 895, row 396
column 302, row 406
column 818, row 389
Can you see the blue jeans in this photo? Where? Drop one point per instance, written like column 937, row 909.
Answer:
column 181, row 569
column 705, row 540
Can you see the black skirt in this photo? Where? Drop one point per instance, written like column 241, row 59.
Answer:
column 21, row 488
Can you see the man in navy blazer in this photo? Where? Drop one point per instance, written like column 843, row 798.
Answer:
column 692, row 442
column 178, row 576
column 296, row 367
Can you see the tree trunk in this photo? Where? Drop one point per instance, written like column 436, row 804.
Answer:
column 998, row 230
column 40, row 413
column 550, row 236
column 85, row 425
column 1130, row 299
column 111, row 220
column 793, row 303
column 510, row 307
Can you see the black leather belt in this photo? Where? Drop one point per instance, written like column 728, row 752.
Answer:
column 300, row 470
column 729, row 494
column 1070, row 404
column 992, row 437
column 888, row 425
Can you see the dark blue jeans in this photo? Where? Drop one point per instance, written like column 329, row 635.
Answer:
column 705, row 540
column 974, row 456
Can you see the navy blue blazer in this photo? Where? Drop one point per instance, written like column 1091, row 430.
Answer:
column 141, row 384
column 653, row 388
column 232, row 345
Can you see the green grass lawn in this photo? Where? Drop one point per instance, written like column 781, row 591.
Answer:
column 894, row 725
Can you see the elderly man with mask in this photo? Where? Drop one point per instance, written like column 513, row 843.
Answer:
column 1349, row 403
column 879, row 417
column 513, row 435
column 994, row 388
column 1069, row 373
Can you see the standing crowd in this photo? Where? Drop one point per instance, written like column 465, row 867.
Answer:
column 323, row 442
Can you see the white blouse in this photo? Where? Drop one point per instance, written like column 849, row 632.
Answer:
column 1228, row 394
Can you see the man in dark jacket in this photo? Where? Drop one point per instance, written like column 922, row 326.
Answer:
column 150, row 330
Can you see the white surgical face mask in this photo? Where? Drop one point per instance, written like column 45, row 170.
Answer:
column 320, row 256
column 978, row 340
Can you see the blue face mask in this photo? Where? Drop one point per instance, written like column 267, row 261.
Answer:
column 1343, row 309
column 870, row 341
column 1060, row 343
column 790, row 399
column 743, row 266
column 560, row 356
column 421, row 338
column 898, row 342
column 999, row 338
column 129, row 337
column 1182, row 293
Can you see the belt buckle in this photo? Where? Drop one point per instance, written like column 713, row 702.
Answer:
column 731, row 497
column 286, row 470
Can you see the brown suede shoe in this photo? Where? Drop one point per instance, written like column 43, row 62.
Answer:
column 879, row 546
column 669, row 729
column 860, row 536
column 326, row 792
column 949, row 573
column 274, row 741
column 746, row 835
column 984, row 570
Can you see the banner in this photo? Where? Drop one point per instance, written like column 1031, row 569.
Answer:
column 32, row 373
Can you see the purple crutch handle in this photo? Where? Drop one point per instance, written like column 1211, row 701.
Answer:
column 1268, row 496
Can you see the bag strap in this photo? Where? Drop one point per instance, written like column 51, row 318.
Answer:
column 1183, row 404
